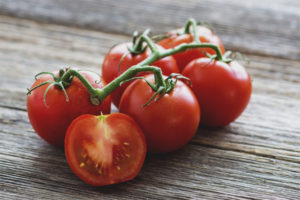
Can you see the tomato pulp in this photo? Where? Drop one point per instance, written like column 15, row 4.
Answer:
column 106, row 149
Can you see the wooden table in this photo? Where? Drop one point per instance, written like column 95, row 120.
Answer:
column 256, row 157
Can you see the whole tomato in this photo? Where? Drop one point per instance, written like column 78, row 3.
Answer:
column 51, row 121
column 223, row 90
column 112, row 62
column 168, row 123
column 105, row 149
column 183, row 58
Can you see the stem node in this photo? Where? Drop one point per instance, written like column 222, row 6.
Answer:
column 95, row 101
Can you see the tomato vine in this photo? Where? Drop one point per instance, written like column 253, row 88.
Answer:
column 161, row 86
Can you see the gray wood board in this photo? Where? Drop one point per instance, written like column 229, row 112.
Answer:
column 263, row 27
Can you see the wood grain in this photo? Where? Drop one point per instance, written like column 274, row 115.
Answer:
column 256, row 157
column 261, row 27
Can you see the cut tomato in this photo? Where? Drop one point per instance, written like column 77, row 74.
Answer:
column 106, row 149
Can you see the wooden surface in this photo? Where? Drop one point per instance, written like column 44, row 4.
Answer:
column 256, row 157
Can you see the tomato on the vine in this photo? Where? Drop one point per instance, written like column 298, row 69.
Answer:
column 205, row 35
column 223, row 90
column 168, row 123
column 51, row 121
column 119, row 59
column 105, row 149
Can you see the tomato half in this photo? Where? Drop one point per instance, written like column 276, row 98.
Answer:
column 183, row 58
column 105, row 149
column 112, row 60
column 52, row 121
column 168, row 123
column 223, row 90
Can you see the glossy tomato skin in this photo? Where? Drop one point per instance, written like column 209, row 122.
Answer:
column 106, row 149
column 52, row 121
column 110, row 66
column 168, row 123
column 183, row 58
column 223, row 90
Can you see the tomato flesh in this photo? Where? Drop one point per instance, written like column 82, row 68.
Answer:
column 106, row 149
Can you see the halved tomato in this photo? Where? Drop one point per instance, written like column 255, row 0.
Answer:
column 105, row 149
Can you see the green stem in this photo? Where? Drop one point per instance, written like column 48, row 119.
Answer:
column 101, row 94
column 98, row 95
column 149, row 42
column 67, row 75
column 138, row 44
column 143, row 66
column 192, row 45
column 186, row 29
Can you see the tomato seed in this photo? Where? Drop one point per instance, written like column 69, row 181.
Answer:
column 84, row 155
column 127, row 155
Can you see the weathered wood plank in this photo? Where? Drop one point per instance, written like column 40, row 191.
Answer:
column 269, row 27
column 256, row 157
column 194, row 170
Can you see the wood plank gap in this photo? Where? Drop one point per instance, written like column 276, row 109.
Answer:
column 193, row 142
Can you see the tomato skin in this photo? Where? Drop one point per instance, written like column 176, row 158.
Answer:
column 223, row 90
column 110, row 66
column 168, row 123
column 183, row 58
column 111, row 143
column 51, row 122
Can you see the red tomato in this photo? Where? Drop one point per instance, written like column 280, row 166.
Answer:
column 168, row 123
column 110, row 66
column 106, row 149
column 223, row 90
column 51, row 122
column 183, row 58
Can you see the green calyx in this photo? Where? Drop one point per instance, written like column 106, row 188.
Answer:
column 57, row 81
column 137, row 45
column 167, row 87
column 161, row 86
column 64, row 80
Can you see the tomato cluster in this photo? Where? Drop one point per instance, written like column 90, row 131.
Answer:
column 103, row 148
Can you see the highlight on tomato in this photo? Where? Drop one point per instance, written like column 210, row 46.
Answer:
column 168, row 123
column 177, row 37
column 119, row 59
column 51, row 109
column 223, row 90
column 105, row 149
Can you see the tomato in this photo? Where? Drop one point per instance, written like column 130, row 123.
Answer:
column 105, row 149
column 110, row 66
column 223, row 90
column 51, row 121
column 168, row 123
column 183, row 58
